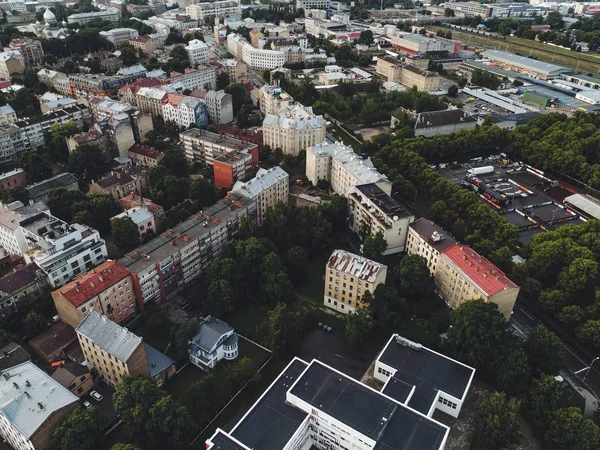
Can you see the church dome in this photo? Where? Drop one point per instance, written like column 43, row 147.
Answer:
column 49, row 17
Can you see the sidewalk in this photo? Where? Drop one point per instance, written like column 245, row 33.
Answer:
column 591, row 401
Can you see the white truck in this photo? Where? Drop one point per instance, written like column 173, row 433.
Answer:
column 484, row 170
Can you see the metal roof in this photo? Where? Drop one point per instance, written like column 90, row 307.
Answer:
column 28, row 397
column 109, row 336
column 157, row 361
column 209, row 332
column 355, row 265
column 524, row 62
column 264, row 179
column 585, row 203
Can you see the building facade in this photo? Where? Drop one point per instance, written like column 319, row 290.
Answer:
column 12, row 179
column 230, row 168
column 427, row 240
column 11, row 63
column 184, row 110
column 213, row 342
column 75, row 377
column 219, row 105
column 119, row 36
column 30, row 49
column 202, row 10
column 203, row 147
column 273, row 99
column 198, row 52
column 122, row 182
column 110, row 15
column 267, row 188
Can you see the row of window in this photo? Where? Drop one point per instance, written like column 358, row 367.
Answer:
column 447, row 403
column 384, row 372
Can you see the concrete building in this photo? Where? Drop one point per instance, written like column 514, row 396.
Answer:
column 203, row 147
column 341, row 168
column 213, row 342
column 434, row 123
column 108, row 289
column 395, row 70
column 30, row 49
column 39, row 191
column 230, row 168
column 267, row 188
column 110, row 15
column 11, row 63
column 144, row 155
column 142, row 217
column 464, row 275
column 21, row 289
column 83, row 85
column 122, row 182
column 144, row 43
column 372, row 209
column 313, row 4
column 178, row 256
column 220, row 106
column 415, row 44
column 233, row 67
column 198, row 52
column 411, row 373
column 33, row 405
column 259, row 59
column 203, row 78
column 347, row 278
column 75, row 377
column 8, row 115
column 184, row 110
column 273, row 99
column 111, row 349
column 119, row 36
column 293, row 129
column 531, row 67
column 200, row 11
column 12, row 144
column 12, row 179
column 427, row 240
column 11, row 215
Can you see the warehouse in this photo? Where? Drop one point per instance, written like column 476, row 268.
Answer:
column 529, row 66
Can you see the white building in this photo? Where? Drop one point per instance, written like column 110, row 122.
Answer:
column 201, row 11
column 142, row 217
column 220, row 106
column 119, row 36
column 590, row 96
column 267, row 188
column 32, row 405
column 12, row 143
column 313, row 4
column 214, row 341
column 256, row 58
column 203, row 79
column 110, row 15
column 272, row 99
column 293, row 129
column 12, row 239
column 341, row 168
column 198, row 52
column 11, row 62
column 184, row 110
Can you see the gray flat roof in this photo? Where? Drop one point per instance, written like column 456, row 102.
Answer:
column 427, row 371
column 586, row 203
column 223, row 442
column 524, row 62
column 271, row 422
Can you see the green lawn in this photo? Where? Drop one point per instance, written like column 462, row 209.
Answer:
column 341, row 135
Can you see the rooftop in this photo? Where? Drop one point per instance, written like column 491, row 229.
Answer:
column 14, row 213
column 19, row 278
column 524, row 62
column 109, row 336
column 92, row 283
column 434, row 235
column 53, row 341
column 157, row 361
column 138, row 214
column 585, row 203
column 264, row 179
column 355, row 265
column 209, row 332
column 444, row 117
column 389, row 206
column 54, row 115
column 121, row 177
column 217, row 139
column 65, row 374
column 426, row 370
column 28, row 397
column 12, row 354
column 296, row 117
column 480, row 271
column 147, row 151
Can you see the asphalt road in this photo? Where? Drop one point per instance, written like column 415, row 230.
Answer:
column 523, row 320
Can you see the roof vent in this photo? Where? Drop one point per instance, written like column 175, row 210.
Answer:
column 41, row 406
column 15, row 385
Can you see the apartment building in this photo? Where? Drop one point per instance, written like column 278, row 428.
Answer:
column 83, row 85
column 12, row 143
column 57, row 80
column 348, row 277
column 122, row 182
column 144, row 43
column 12, row 240
column 184, row 110
column 429, row 241
column 201, row 146
column 148, row 100
column 202, row 78
column 219, row 104
column 214, row 341
column 144, row 155
column 198, row 52
column 34, row 130
column 267, row 188
column 259, row 59
column 119, row 36
column 111, row 349
column 109, row 15
column 231, row 167
column 142, row 217
column 338, row 165
column 12, row 179
column 416, row 44
column 313, row 4
column 30, row 49
column 371, row 209
column 272, row 99
column 38, row 192
column 233, row 68
column 33, row 405
column 11, row 63
column 108, row 289
column 181, row 22
column 463, row 275
column 22, row 288
column 178, row 256
column 8, row 115
column 203, row 10
column 75, row 377
column 294, row 129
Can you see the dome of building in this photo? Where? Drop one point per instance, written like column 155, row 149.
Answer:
column 49, row 17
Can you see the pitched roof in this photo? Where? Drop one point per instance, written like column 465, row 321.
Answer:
column 56, row 339
column 18, row 278
column 44, row 187
column 441, row 118
column 427, row 229
column 480, row 271
column 264, row 179
column 28, row 397
column 12, row 354
column 209, row 332
column 109, row 336
column 147, row 151
column 65, row 374
column 157, row 361
column 355, row 265
column 92, row 283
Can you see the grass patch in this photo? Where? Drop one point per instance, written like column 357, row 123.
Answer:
column 341, row 135
column 247, row 320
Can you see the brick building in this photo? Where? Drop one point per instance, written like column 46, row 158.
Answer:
column 122, row 182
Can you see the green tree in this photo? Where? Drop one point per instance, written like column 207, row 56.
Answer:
column 125, row 447
column 513, row 373
column 125, row 233
column 238, row 95
column 453, row 91
column 61, row 201
column 87, row 161
column 590, row 333
column 544, row 350
column 478, row 334
column 366, row 37
column 415, row 278
column 569, row 430
column 78, row 431
column 275, row 286
column 223, row 80
column 169, row 425
column 57, row 146
column 5, row 337
column 387, row 306
column 35, row 166
column 449, row 12
column 543, row 398
column 374, row 246
column 358, row 326
column 34, row 322
column 296, row 261
column 242, row 371
column 184, row 333
column 285, row 328
column 220, row 299
column 498, row 423
column 202, row 193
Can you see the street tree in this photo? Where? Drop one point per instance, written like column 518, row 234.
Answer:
column 498, row 423
column 366, row 37
column 543, row 398
column 34, row 322
column 544, row 350
column 374, row 246
column 415, row 278
column 78, row 431
column 87, row 161
column 513, row 373
column 358, row 326
column 125, row 233
column 570, row 430
column 590, row 334
column 120, row 446
column 238, row 95
column 169, row 425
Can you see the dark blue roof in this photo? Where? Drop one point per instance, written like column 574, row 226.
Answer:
column 157, row 361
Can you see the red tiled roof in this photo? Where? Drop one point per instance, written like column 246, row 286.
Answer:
column 482, row 272
column 140, row 83
column 173, row 99
column 92, row 283
column 147, row 151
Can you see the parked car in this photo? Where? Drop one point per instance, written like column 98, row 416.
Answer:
column 96, row 396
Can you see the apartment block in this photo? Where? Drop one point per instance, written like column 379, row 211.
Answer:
column 429, row 241
column 372, row 209
column 145, row 155
column 267, row 188
column 30, row 49
column 200, row 11
column 219, row 104
column 293, row 129
column 203, row 78
column 463, row 275
column 408, row 74
column 11, row 215
column 178, row 256
column 273, row 99
column 12, row 144
column 341, row 168
column 203, row 147
column 108, row 289
column 11, row 63
column 101, row 85
column 109, row 15
column 113, row 350
column 231, row 167
column 184, row 110
column 8, row 115
column 198, row 52
column 313, row 4
column 214, row 341
column 348, row 277
column 259, row 59
column 33, row 405
column 119, row 36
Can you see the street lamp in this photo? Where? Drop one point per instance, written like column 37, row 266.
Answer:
column 590, row 368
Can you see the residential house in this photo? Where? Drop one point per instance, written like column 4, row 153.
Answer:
column 143, row 218
column 75, row 377
column 22, row 288
column 144, row 155
column 52, row 343
column 213, row 342
column 122, row 182
column 8, row 115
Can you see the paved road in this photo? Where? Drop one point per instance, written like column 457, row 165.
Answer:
column 523, row 320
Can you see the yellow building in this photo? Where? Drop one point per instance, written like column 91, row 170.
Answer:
column 427, row 240
column 348, row 277
column 409, row 75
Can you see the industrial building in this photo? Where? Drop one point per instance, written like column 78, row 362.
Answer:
column 532, row 67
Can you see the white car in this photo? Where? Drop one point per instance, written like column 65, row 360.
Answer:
column 87, row 404
column 96, row 396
